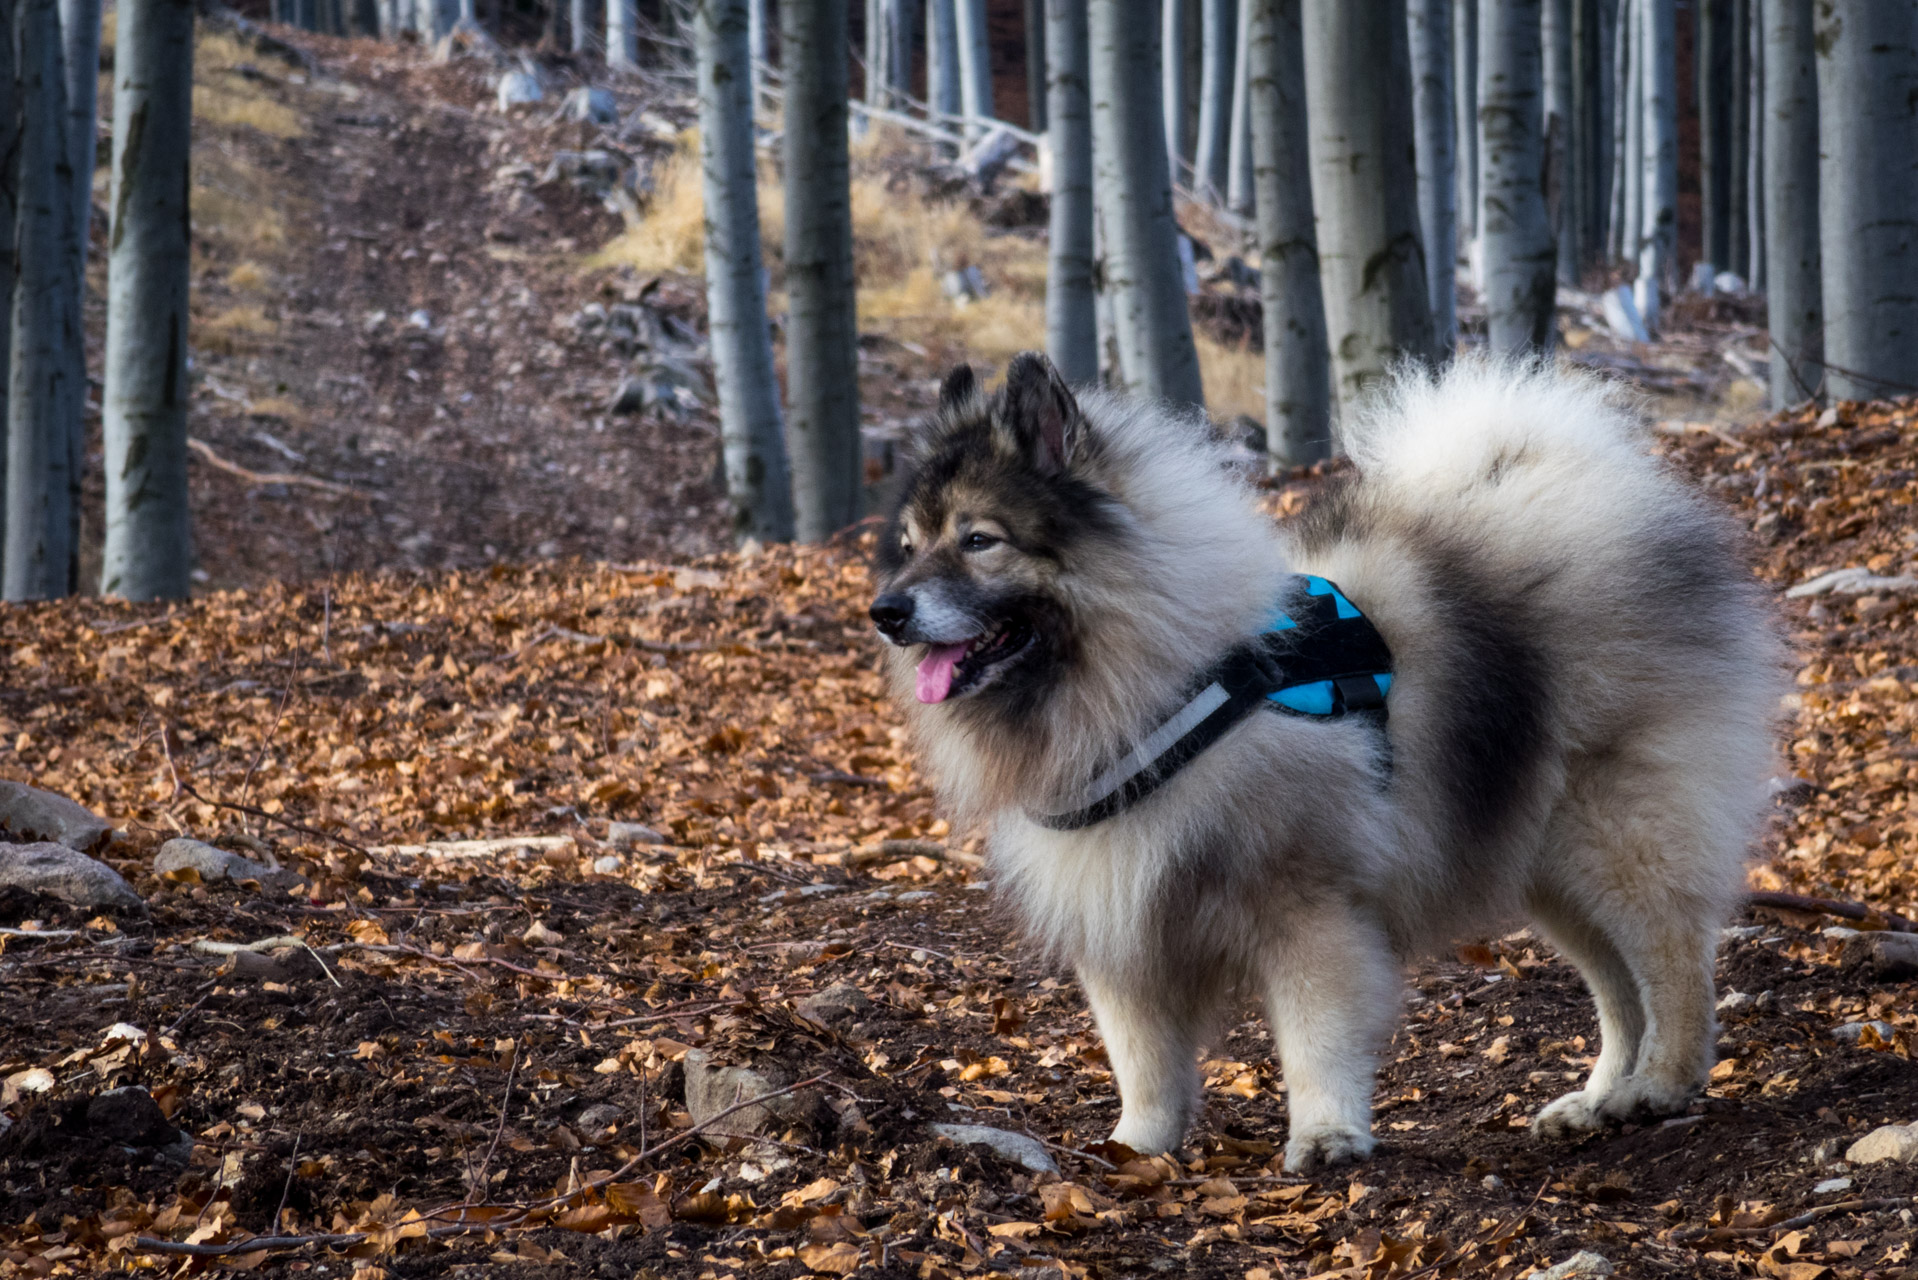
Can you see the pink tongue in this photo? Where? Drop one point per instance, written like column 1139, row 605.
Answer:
column 935, row 671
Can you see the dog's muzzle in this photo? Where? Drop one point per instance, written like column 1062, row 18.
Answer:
column 892, row 613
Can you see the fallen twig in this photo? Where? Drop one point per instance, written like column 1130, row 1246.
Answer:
column 1697, row 1237
column 205, row 450
column 474, row 848
column 1894, row 923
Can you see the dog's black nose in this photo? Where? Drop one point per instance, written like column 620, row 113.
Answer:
column 891, row 612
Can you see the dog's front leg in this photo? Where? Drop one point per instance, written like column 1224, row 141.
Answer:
column 1332, row 990
column 1152, row 1031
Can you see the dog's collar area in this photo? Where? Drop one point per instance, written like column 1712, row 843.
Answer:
column 1319, row 657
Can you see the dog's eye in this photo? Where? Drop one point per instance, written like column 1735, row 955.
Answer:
column 980, row 541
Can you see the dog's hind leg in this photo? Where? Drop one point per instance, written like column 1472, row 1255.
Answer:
column 1332, row 993
column 1152, row 1030
column 1621, row 1011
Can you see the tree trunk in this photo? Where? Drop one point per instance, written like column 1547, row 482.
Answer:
column 1589, row 149
column 1429, row 30
column 1658, row 233
column 579, row 18
column 80, row 30
column 149, row 547
column 975, row 66
column 1520, row 258
column 1238, row 182
column 1738, row 226
column 47, row 382
column 1715, row 128
column 1465, row 127
column 822, row 335
column 758, row 44
column 1134, row 194
column 1628, row 119
column 753, row 447
column 622, row 35
column 9, row 207
column 1036, row 116
column 1211, row 153
column 1298, row 388
column 1868, row 194
column 1795, row 311
column 1364, row 188
column 885, row 75
column 1755, row 142
column 1072, row 334
column 942, row 58
column 1560, row 138
column 1172, row 86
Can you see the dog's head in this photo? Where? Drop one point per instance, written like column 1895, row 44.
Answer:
column 997, row 506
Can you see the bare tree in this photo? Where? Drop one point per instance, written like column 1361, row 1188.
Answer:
column 1134, row 194
column 1430, row 31
column 1714, row 73
column 1238, row 162
column 1465, row 128
column 622, row 34
column 1520, row 258
column 1867, row 54
column 752, row 443
column 1755, row 143
column 149, row 547
column 47, row 380
column 942, row 58
column 9, row 190
column 1628, row 131
column 1560, row 137
column 579, row 19
column 888, row 51
column 1072, row 334
column 1298, row 385
column 80, row 32
column 1590, row 154
column 1218, row 25
column 1172, row 64
column 1371, row 264
column 1036, row 116
column 1794, row 307
column 1658, row 230
column 822, row 334
column 975, row 66
column 1738, row 216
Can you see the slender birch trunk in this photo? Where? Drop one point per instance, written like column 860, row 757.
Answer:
column 1134, row 194
column 1755, row 142
column 1867, row 54
column 1211, row 153
column 1036, row 115
column 1658, row 233
column 1072, row 327
column 1520, row 258
column 1715, row 128
column 1371, row 264
column 752, row 442
column 759, row 44
column 975, row 66
column 1794, row 308
column 579, row 17
column 888, row 52
column 80, row 31
column 1465, row 127
column 1172, row 85
column 9, row 207
column 1238, row 184
column 942, row 58
column 1588, row 150
column 1429, row 29
column 1560, row 137
column 1737, row 216
column 1627, row 117
column 44, row 401
column 622, row 34
column 822, row 335
column 1298, row 387
column 149, row 544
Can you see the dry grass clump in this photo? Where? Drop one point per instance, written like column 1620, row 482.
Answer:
column 223, row 96
column 234, row 330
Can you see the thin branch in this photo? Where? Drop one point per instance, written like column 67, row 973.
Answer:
column 1894, row 923
column 205, row 450
column 479, row 1183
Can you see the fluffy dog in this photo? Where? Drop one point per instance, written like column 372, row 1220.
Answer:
column 1585, row 679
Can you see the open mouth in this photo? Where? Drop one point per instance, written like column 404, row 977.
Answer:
column 949, row 670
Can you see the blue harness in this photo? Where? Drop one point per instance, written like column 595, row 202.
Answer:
column 1319, row 657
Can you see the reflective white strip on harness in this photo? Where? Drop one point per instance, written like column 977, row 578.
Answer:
column 1147, row 753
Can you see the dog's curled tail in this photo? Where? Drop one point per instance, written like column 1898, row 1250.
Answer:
column 1488, row 423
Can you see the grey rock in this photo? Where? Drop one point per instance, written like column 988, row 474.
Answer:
column 1582, row 1263
column 1852, row 1032
column 1832, row 1186
column 628, row 835
column 130, row 1117
column 66, row 874
column 711, row 1088
column 1891, row 1143
column 591, row 104
column 1015, row 1148
column 1741, row 932
column 29, row 814
column 1890, row 956
column 840, row 1003
column 610, row 864
column 518, row 89
column 215, row 865
column 599, row 1117
column 1733, row 1003
column 597, row 172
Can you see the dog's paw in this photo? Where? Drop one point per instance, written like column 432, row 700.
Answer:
column 1318, row 1148
column 1150, row 1135
column 1633, row 1098
column 1572, row 1116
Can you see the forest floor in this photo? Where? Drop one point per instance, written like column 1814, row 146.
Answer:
column 428, row 1039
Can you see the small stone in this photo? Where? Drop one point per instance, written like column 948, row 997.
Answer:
column 711, row 1088
column 130, row 1117
column 626, row 835
column 1015, row 1148
column 1839, row 933
column 1852, row 1032
column 609, row 865
column 1741, row 932
column 1831, row 1186
column 599, row 1117
column 1889, row 956
column 68, row 875
column 29, row 814
column 1583, row 1263
column 839, row 1003
column 214, row 865
column 1733, row 1003
column 1492, row 1182
column 1891, row 1143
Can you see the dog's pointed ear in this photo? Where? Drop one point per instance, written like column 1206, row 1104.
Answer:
column 959, row 388
column 1041, row 411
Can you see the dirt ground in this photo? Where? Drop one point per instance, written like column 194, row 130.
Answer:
column 512, row 626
